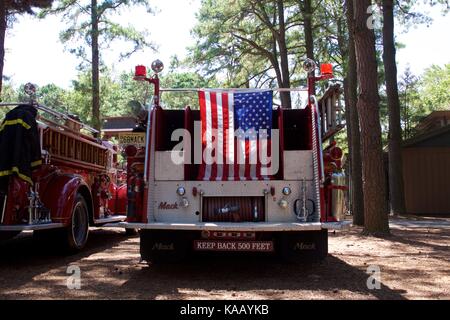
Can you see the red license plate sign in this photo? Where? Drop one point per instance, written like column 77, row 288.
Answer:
column 213, row 245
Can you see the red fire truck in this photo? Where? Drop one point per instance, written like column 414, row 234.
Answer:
column 70, row 187
column 179, row 208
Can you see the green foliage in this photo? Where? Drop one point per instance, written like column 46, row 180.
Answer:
column 91, row 27
column 77, row 36
column 235, row 41
column 115, row 92
column 8, row 94
column 435, row 85
column 408, row 13
column 419, row 96
column 238, row 42
column 177, row 100
column 14, row 7
column 52, row 95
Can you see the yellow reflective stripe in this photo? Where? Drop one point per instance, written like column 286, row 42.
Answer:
column 16, row 170
column 14, row 122
column 36, row 163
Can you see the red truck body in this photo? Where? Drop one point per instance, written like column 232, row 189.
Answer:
column 74, row 187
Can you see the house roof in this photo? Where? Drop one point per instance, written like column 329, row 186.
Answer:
column 440, row 136
column 434, row 120
column 125, row 123
column 331, row 90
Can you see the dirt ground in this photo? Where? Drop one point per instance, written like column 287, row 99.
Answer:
column 414, row 263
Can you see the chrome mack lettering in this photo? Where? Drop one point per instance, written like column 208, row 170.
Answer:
column 304, row 246
column 162, row 246
column 168, row 206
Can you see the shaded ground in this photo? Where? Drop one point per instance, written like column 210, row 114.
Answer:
column 414, row 263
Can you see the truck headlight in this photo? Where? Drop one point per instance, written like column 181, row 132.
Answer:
column 181, row 191
column 286, row 191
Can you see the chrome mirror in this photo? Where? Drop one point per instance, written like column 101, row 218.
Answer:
column 157, row 66
column 309, row 65
column 30, row 89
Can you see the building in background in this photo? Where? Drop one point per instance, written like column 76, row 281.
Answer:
column 426, row 166
column 112, row 126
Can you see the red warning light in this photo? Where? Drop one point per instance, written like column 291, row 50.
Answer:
column 326, row 68
column 140, row 71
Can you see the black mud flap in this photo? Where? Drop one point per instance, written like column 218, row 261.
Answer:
column 164, row 246
column 303, row 246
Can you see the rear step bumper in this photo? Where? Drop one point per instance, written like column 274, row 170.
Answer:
column 110, row 219
column 24, row 227
column 242, row 226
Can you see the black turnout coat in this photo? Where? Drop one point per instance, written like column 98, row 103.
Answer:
column 20, row 149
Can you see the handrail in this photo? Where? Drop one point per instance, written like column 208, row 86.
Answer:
column 55, row 113
column 150, row 108
column 232, row 89
column 317, row 152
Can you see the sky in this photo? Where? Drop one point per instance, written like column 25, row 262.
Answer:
column 34, row 53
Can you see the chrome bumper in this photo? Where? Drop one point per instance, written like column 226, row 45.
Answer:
column 241, row 226
column 24, row 227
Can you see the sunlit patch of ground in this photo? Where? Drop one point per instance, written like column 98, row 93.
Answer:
column 414, row 262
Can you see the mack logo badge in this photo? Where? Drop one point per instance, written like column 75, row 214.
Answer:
column 168, row 206
column 304, row 246
column 162, row 246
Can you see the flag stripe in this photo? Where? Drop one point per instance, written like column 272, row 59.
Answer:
column 231, row 145
column 226, row 133
column 230, row 157
column 202, row 103
column 220, row 134
column 207, row 156
column 214, row 131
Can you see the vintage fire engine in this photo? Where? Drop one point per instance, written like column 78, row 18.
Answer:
column 290, row 212
column 69, row 189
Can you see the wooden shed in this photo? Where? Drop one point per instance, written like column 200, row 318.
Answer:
column 426, row 171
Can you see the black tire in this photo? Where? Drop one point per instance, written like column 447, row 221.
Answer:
column 6, row 235
column 303, row 247
column 131, row 232
column 163, row 247
column 73, row 238
column 78, row 231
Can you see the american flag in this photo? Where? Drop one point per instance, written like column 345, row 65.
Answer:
column 236, row 131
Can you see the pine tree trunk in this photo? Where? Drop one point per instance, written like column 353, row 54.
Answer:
column 375, row 213
column 396, row 192
column 356, row 196
column 95, row 67
column 284, row 61
column 3, row 24
column 308, row 30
